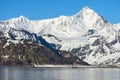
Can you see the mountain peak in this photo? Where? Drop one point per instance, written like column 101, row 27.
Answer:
column 86, row 8
column 90, row 18
column 85, row 11
column 22, row 18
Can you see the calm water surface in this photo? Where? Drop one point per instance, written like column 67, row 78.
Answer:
column 25, row 73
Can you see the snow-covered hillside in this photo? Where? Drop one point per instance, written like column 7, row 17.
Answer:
column 86, row 34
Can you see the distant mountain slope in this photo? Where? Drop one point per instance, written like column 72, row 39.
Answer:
column 31, row 53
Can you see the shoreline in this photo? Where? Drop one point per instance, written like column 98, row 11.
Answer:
column 73, row 66
column 61, row 66
column 65, row 66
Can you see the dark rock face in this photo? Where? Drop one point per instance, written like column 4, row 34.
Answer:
column 28, row 53
column 100, row 46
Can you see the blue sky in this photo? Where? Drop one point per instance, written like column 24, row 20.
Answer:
column 43, row 9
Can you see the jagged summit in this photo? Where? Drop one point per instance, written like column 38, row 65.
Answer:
column 85, row 10
column 91, row 18
column 22, row 18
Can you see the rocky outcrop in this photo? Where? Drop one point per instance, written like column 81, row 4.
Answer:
column 29, row 53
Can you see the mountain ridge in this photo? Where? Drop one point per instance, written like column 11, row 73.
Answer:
column 87, row 34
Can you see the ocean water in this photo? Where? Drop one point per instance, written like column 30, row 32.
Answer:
column 31, row 73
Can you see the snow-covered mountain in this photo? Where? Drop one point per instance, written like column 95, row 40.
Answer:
column 86, row 34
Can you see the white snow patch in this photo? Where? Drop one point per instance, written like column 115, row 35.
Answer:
column 14, row 41
column 7, row 44
column 5, row 57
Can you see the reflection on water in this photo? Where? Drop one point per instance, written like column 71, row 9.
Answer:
column 23, row 73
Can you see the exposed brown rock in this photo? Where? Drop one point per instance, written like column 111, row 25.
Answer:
column 29, row 53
